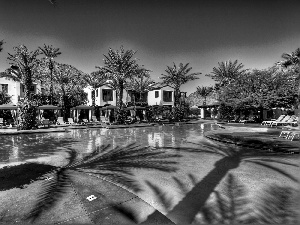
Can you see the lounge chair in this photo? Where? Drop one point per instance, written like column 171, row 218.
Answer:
column 160, row 119
column 129, row 120
column 249, row 120
column 94, row 119
column 269, row 122
column 235, row 120
column 60, row 121
column 86, row 122
column 1, row 122
column 104, row 119
column 71, row 121
column 292, row 121
column 293, row 134
column 277, row 123
column 46, row 122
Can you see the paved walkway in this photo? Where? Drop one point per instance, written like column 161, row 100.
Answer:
column 87, row 200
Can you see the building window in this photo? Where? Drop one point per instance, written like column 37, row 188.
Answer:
column 107, row 95
column 167, row 96
column 4, row 88
column 97, row 93
column 156, row 94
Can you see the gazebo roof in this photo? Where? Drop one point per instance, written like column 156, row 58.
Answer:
column 8, row 106
column 83, row 107
column 49, row 107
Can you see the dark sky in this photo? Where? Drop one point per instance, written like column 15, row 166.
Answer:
column 202, row 33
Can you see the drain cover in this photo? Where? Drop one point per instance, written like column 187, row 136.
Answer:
column 91, row 198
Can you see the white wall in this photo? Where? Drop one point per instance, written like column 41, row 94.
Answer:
column 99, row 100
column 14, row 89
column 156, row 101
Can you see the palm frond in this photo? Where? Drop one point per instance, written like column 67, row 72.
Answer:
column 280, row 171
column 53, row 2
column 133, row 157
column 182, row 186
column 73, row 155
column 192, row 178
column 273, row 160
column 161, row 196
column 222, row 208
column 127, row 212
column 276, row 205
column 51, row 193
column 118, row 179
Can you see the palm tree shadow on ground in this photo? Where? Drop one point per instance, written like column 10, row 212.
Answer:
column 185, row 211
column 112, row 165
column 274, row 204
column 231, row 158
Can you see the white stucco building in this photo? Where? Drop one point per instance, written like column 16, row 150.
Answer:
column 105, row 95
column 16, row 89
column 161, row 96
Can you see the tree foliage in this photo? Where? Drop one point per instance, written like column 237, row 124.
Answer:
column 24, row 68
column 177, row 76
column 227, row 72
column 120, row 67
column 260, row 89
column 203, row 91
column 141, row 83
column 95, row 80
column 1, row 44
column 68, row 83
column 50, row 53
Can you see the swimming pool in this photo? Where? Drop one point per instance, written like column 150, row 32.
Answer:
column 49, row 148
column 18, row 148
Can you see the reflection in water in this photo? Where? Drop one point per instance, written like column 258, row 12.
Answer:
column 14, row 153
column 29, row 146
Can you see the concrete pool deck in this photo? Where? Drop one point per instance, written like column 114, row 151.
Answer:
column 75, row 208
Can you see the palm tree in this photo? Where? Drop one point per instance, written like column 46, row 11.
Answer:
column 176, row 77
column 1, row 44
column 141, row 82
column 26, row 64
column 68, row 82
column 292, row 61
column 24, row 68
column 112, row 165
column 50, row 52
column 185, row 211
column 119, row 66
column 53, row 2
column 204, row 92
column 227, row 72
column 95, row 80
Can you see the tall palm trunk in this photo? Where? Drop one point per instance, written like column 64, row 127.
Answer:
column 51, row 82
column 28, row 110
column 63, row 103
column 93, row 97
column 186, row 210
column 176, row 96
column 27, row 84
column 119, row 101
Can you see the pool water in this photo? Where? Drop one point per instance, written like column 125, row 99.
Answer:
column 18, row 148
